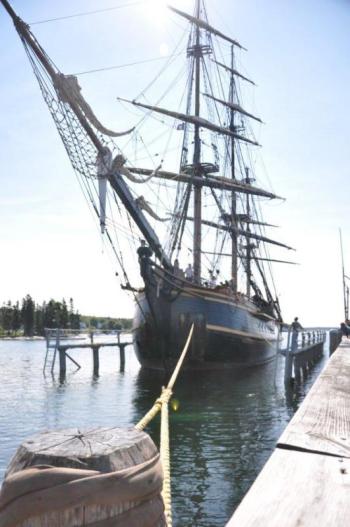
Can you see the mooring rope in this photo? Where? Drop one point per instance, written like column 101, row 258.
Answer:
column 161, row 404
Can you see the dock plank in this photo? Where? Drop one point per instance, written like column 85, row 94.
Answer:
column 306, row 481
column 297, row 489
column 322, row 423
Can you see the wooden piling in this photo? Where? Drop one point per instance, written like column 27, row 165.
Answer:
column 122, row 356
column 63, row 361
column 288, row 367
column 86, row 496
column 96, row 358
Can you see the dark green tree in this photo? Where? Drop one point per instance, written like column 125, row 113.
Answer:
column 28, row 308
column 63, row 313
column 7, row 317
column 16, row 318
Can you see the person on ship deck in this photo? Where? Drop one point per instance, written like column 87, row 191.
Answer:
column 189, row 273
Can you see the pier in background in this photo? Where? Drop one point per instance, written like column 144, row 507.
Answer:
column 59, row 341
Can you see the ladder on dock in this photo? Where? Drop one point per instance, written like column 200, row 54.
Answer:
column 53, row 337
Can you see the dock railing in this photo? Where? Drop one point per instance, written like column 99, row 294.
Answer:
column 303, row 348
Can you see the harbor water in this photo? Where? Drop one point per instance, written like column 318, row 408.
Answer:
column 224, row 426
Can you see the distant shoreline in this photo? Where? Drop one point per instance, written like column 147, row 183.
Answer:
column 36, row 337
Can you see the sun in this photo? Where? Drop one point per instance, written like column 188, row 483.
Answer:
column 157, row 10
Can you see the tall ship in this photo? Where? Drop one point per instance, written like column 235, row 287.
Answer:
column 176, row 196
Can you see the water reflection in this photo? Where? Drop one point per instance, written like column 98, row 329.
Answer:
column 221, row 434
column 223, row 427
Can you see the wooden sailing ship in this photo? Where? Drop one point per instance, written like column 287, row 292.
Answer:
column 207, row 210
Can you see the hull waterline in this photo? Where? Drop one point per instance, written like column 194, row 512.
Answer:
column 227, row 333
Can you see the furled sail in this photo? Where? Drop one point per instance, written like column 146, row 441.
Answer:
column 234, row 72
column 208, row 180
column 69, row 91
column 241, row 232
column 260, row 259
column 118, row 165
column 204, row 25
column 144, row 205
column 103, row 167
column 193, row 119
column 244, row 218
column 233, row 106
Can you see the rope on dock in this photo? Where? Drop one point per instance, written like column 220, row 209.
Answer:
column 161, row 404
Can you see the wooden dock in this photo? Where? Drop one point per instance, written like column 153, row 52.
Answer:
column 59, row 341
column 306, row 481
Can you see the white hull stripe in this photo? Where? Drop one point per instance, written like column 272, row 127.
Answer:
column 223, row 329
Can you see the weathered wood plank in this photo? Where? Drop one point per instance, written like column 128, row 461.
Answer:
column 297, row 489
column 322, row 423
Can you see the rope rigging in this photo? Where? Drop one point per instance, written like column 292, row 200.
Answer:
column 173, row 206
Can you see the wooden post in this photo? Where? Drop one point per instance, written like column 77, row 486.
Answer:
column 121, row 353
column 63, row 361
column 297, row 368
column 122, row 356
column 96, row 358
column 304, row 366
column 288, row 367
column 104, row 450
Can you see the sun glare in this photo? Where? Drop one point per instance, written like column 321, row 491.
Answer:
column 164, row 49
column 158, row 10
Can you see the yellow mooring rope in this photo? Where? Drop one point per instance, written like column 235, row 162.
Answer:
column 161, row 404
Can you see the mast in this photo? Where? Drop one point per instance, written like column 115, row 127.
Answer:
column 197, row 231
column 234, row 237
column 248, row 249
column 345, row 287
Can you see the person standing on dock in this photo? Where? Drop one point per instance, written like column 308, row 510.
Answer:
column 345, row 329
column 295, row 327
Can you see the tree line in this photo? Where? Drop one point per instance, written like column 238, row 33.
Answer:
column 31, row 318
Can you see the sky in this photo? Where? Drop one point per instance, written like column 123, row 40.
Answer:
column 298, row 54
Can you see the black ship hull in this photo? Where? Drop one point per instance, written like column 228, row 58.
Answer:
column 229, row 332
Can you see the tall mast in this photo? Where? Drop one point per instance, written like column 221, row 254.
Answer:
column 345, row 288
column 233, row 176
column 197, row 234
column 248, row 249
